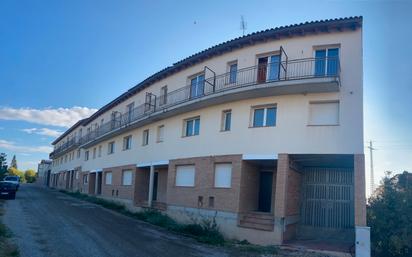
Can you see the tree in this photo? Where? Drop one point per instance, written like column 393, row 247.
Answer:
column 15, row 172
column 389, row 216
column 13, row 163
column 30, row 176
column 3, row 165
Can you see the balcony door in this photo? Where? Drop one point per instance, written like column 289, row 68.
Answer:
column 268, row 68
column 197, row 85
column 327, row 62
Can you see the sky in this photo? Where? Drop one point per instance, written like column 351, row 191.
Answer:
column 62, row 60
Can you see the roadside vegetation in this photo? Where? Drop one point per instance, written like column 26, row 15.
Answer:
column 389, row 215
column 7, row 248
column 203, row 230
column 28, row 176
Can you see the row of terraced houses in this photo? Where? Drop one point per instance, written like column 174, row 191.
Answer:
column 263, row 132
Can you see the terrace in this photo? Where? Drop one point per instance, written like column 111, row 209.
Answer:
column 298, row 76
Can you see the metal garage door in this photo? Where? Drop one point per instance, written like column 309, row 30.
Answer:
column 327, row 201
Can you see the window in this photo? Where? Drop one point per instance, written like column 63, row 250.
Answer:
column 232, row 72
column 100, row 151
column 65, row 158
column 264, row 116
column 129, row 110
column 85, row 179
column 324, row 113
column 78, row 153
column 326, row 61
column 145, row 140
column 223, row 175
column 163, row 96
column 127, row 178
column 127, row 142
column 94, row 153
column 160, row 133
column 108, row 178
column 86, row 155
column 197, row 85
column 226, row 120
column 77, row 174
column 268, row 68
column 110, row 148
column 185, row 176
column 192, row 127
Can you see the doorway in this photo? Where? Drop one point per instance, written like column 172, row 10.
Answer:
column 265, row 191
column 99, row 183
column 262, row 69
column 155, row 185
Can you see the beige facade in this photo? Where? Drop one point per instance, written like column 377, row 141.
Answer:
column 255, row 180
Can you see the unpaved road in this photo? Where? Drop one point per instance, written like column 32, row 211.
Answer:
column 47, row 223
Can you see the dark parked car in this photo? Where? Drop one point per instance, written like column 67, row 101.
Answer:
column 14, row 180
column 8, row 190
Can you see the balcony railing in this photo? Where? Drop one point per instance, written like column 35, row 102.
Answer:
column 260, row 74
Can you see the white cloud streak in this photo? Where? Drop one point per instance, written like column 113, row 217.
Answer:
column 61, row 117
column 12, row 146
column 43, row 131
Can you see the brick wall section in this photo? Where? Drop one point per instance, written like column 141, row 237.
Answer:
column 249, row 187
column 293, row 193
column 119, row 190
column 281, row 185
column 225, row 199
column 141, row 186
column 359, row 188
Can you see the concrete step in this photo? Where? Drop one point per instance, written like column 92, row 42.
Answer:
column 259, row 221
column 258, row 226
column 258, row 215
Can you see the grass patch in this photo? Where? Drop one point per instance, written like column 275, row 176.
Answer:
column 7, row 249
column 205, row 230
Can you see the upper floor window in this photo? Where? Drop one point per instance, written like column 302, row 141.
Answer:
column 232, row 72
column 323, row 113
column 160, row 133
column 94, row 153
column 110, row 148
column 197, row 86
column 127, row 142
column 326, row 61
column 129, row 110
column 192, row 127
column 163, row 96
column 268, row 68
column 86, row 155
column 145, row 140
column 100, row 151
column 78, row 153
column 264, row 116
column 226, row 120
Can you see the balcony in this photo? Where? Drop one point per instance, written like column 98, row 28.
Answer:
column 300, row 76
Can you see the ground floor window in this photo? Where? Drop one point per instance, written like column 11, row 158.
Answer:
column 223, row 175
column 127, row 178
column 185, row 175
column 108, row 178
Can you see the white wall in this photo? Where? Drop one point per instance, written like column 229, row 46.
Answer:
column 291, row 135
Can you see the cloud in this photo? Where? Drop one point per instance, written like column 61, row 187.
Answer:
column 12, row 146
column 43, row 131
column 61, row 117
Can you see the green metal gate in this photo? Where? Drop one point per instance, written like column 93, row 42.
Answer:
column 327, row 206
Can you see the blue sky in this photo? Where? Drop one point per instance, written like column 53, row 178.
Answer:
column 70, row 57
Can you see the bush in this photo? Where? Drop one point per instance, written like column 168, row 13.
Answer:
column 30, row 176
column 389, row 216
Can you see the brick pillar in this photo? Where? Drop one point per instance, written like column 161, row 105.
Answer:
column 359, row 190
column 281, row 194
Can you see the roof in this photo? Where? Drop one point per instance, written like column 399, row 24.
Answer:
column 301, row 29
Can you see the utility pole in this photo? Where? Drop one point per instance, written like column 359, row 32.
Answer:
column 371, row 160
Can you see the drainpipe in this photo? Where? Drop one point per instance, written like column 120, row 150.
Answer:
column 151, row 181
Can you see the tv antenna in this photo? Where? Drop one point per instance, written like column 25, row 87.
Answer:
column 243, row 24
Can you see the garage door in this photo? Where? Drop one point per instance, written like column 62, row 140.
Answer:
column 327, row 207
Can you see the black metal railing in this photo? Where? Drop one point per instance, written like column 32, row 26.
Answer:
column 260, row 74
